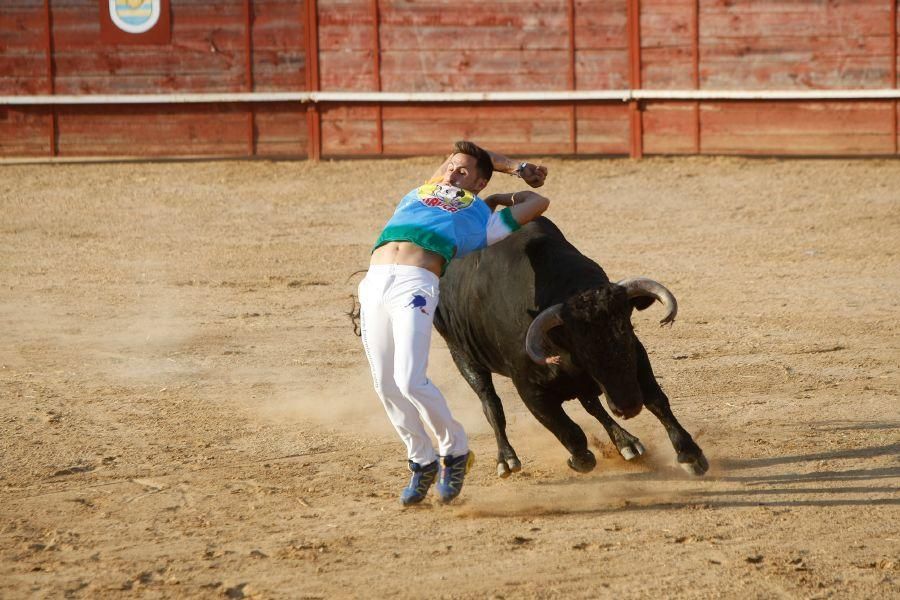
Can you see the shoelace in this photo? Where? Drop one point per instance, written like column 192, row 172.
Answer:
column 457, row 472
column 423, row 482
column 422, row 486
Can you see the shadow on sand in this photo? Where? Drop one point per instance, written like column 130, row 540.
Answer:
column 778, row 485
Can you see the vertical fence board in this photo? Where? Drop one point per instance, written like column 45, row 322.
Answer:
column 22, row 60
column 281, row 129
column 669, row 127
column 603, row 128
column 279, row 54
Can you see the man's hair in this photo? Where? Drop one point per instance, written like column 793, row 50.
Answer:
column 483, row 162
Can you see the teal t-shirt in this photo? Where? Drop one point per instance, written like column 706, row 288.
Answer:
column 446, row 220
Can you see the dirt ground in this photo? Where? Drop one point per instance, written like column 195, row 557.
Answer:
column 185, row 411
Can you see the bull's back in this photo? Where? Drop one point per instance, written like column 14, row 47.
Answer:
column 489, row 298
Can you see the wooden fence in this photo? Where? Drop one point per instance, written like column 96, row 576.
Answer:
column 55, row 48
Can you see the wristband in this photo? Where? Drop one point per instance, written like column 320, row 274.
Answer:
column 519, row 169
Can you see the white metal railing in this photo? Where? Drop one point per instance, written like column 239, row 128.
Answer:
column 395, row 97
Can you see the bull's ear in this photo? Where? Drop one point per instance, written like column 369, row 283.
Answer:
column 642, row 302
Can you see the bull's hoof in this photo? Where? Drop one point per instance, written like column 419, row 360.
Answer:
column 510, row 465
column 632, row 450
column 697, row 465
column 583, row 463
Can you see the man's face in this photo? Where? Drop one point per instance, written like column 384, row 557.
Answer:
column 462, row 173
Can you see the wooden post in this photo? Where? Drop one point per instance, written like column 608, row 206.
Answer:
column 313, row 118
column 572, row 77
column 695, row 51
column 51, row 76
column 248, row 74
column 894, row 65
column 376, row 69
column 634, row 53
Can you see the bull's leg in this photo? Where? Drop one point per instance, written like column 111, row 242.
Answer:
column 690, row 456
column 552, row 416
column 628, row 445
column 481, row 382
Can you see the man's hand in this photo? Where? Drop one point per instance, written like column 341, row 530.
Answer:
column 534, row 175
column 495, row 200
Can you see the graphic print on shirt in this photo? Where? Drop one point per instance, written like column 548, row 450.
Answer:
column 419, row 302
column 446, row 197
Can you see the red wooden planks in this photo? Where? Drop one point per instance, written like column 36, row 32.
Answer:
column 281, row 129
column 459, row 45
column 669, row 128
column 816, row 128
column 279, row 56
column 206, row 53
column 515, row 128
column 603, row 128
column 601, row 42
column 345, row 34
column 667, row 33
column 794, row 44
column 23, row 68
column 149, row 130
column 350, row 130
column 23, row 131
column 439, row 70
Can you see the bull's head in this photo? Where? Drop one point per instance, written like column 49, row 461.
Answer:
column 597, row 328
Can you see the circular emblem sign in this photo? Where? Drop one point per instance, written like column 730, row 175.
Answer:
column 134, row 16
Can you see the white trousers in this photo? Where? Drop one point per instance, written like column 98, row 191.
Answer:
column 397, row 304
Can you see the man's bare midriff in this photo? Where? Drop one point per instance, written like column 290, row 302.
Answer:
column 407, row 253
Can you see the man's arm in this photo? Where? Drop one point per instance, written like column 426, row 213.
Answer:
column 533, row 175
column 525, row 206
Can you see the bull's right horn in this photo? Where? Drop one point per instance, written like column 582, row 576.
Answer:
column 537, row 334
column 641, row 286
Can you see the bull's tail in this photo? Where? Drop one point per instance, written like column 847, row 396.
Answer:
column 355, row 307
column 353, row 313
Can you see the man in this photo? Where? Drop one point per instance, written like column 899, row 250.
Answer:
column 434, row 223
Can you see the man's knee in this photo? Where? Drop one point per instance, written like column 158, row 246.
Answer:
column 412, row 388
column 389, row 391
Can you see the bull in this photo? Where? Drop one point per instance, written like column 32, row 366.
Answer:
column 502, row 308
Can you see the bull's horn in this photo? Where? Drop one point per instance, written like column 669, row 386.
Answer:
column 641, row 286
column 537, row 333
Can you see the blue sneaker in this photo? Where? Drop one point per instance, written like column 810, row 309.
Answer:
column 422, row 478
column 453, row 472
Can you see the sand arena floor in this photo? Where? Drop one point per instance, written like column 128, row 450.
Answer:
column 185, row 412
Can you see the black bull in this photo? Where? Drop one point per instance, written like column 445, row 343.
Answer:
column 536, row 285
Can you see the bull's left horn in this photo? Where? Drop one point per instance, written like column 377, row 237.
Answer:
column 641, row 286
column 537, row 333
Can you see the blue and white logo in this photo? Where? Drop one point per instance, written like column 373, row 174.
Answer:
column 134, row 16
